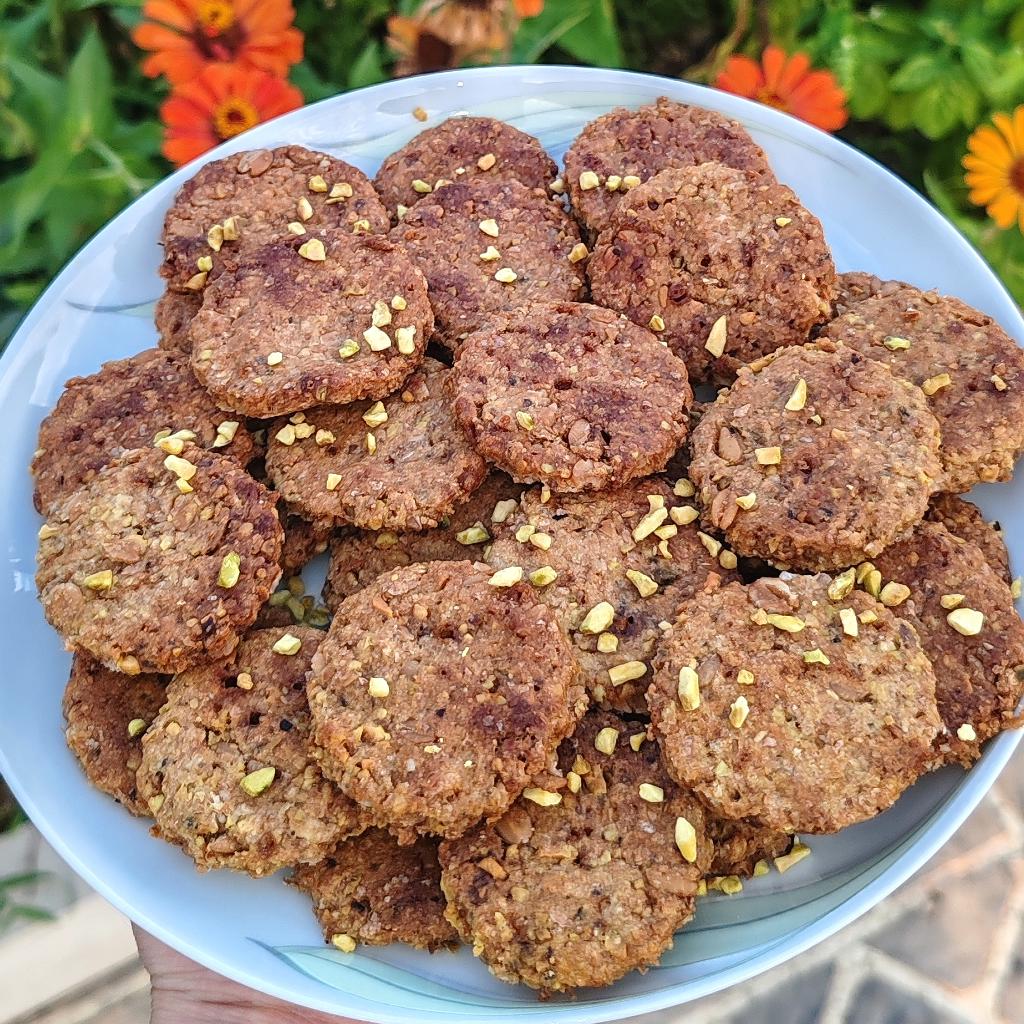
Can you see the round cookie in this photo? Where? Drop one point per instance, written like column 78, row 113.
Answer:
column 130, row 568
column 636, row 144
column 303, row 541
column 590, row 541
column 833, row 481
column 971, row 369
column 460, row 149
column 526, row 233
column 437, row 696
column 695, row 244
column 979, row 677
column 226, row 766
column 964, row 519
column 359, row 556
column 106, row 714
column 571, row 395
column 831, row 729
column 279, row 332
column 372, row 890
column 854, row 286
column 172, row 315
column 406, row 472
column 122, row 406
column 589, row 885
column 248, row 199
column 741, row 845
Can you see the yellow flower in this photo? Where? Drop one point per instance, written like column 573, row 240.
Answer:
column 995, row 168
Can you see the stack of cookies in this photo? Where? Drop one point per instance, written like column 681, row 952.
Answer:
column 594, row 648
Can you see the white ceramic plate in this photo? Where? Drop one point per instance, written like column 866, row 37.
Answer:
column 262, row 933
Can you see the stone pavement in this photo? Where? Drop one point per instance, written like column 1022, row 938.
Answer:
column 947, row 948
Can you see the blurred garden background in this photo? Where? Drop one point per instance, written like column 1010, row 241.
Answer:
column 101, row 98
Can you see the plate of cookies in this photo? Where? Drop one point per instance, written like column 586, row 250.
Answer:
column 522, row 543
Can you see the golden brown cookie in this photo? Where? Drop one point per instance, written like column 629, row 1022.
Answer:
column 965, row 520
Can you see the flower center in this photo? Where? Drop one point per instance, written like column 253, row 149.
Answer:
column 234, row 116
column 770, row 99
column 1016, row 176
column 215, row 17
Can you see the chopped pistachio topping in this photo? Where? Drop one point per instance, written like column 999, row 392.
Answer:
column 196, row 282
column 557, row 186
column 848, row 617
column 894, row 343
column 589, row 180
column 205, row 264
column 304, row 209
column 333, row 479
column 405, row 339
column 313, row 250
column 728, row 560
column 540, row 540
column 598, row 619
column 951, row 601
column 683, row 515
column 894, row 594
column 644, row 584
column 738, row 712
column 572, row 781
column 630, row 181
column 138, row 725
column 343, row 942
column 863, row 569
column 656, row 323
column 258, row 781
column 101, row 580
column 490, row 254
column 607, row 643
column 745, row 677
column 728, row 884
column 768, row 456
column 543, row 797
column 507, row 577
column 183, row 486
column 360, row 227
column 787, row 623
column 1015, row 588
column 525, row 532
column 683, row 488
column 230, row 229
column 966, row 733
column 626, row 672
column 230, row 568
column 215, row 237
column 798, row 399
column 816, row 656
column 873, row 582
column 506, row 275
column 317, row 183
column 636, row 741
column 717, row 337
column 868, row 617
column 797, row 854
column 966, row 621
column 181, row 468
column 244, row 681
column 46, row 531
column 286, row 435
column 487, row 161
column 613, row 182
column 287, row 645
column 378, row 687
column 711, row 545
column 666, row 532
column 349, row 347
column 490, row 227
column 578, row 252
column 783, row 221
column 936, row 383
column 525, row 420
column 842, row 585
column 475, row 534
column 376, row 415
column 689, row 688
column 543, row 576
column 275, row 358
column 381, row 315
column 324, row 437
column 747, row 501
column 226, row 433
column 371, row 442
column 376, row 339
column 503, row 509
column 606, row 739
column 155, row 803
column 686, row 840
column 649, row 523
column 421, row 187
column 998, row 382
column 651, row 793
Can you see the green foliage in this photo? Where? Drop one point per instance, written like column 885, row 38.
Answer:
column 12, row 908
column 80, row 132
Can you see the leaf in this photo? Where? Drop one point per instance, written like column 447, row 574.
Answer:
column 595, row 39
column 368, row 67
column 585, row 29
column 921, row 70
column 933, row 113
column 89, row 93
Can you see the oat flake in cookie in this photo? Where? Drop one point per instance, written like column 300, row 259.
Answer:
column 613, row 567
column 587, row 878
column 965, row 520
column 461, row 149
column 792, row 706
column 439, row 693
column 299, row 322
column 967, row 365
column 248, row 199
column 969, row 629
column 107, row 713
column 400, row 464
column 725, row 264
column 160, row 561
column 816, row 458
column 621, row 149
column 373, row 891
column 491, row 246
column 226, row 767
column 129, row 403
column 571, row 395
column 359, row 556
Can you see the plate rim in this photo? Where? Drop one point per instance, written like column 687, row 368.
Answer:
column 933, row 835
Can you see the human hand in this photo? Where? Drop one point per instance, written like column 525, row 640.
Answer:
column 183, row 992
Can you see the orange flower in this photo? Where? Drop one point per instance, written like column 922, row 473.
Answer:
column 186, row 35
column 528, row 8
column 787, row 83
column 995, row 168
column 219, row 104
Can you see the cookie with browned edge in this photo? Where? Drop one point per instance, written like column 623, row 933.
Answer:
column 172, row 315
column 965, row 520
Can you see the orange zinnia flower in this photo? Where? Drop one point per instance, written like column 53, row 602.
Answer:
column 186, row 35
column 995, row 168
column 787, row 83
column 220, row 103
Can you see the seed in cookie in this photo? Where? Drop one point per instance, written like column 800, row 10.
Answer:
column 308, row 312
column 956, row 354
column 442, row 235
column 830, row 494
column 233, row 767
column 377, row 892
column 578, row 892
column 164, row 610
column 606, row 402
column 452, row 150
column 421, row 466
column 870, row 713
column 694, row 244
column 483, row 687
column 106, row 714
